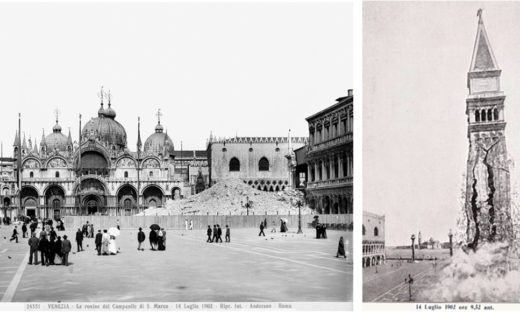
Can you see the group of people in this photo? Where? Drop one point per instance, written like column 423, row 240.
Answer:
column 217, row 234
column 157, row 239
column 105, row 243
column 88, row 230
column 50, row 245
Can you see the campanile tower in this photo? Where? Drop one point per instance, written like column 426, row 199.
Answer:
column 488, row 203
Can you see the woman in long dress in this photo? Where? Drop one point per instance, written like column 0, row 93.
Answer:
column 341, row 248
column 112, row 247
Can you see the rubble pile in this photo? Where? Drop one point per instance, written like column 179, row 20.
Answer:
column 230, row 197
column 490, row 274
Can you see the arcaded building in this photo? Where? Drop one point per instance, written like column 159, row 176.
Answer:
column 373, row 231
column 330, row 158
column 264, row 163
column 99, row 174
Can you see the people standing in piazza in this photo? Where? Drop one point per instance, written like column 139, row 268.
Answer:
column 15, row 235
column 219, row 233
column 34, row 242
column 51, row 254
column 105, row 241
column 24, row 229
column 215, row 233
column 164, row 237
column 84, row 230
column 98, row 241
column 228, row 234
column 44, row 249
column 57, row 248
column 341, row 248
column 209, row 235
column 140, row 239
column 160, row 245
column 53, row 234
column 153, row 239
column 191, row 224
column 91, row 231
column 117, row 223
column 66, row 246
column 261, row 229
column 79, row 240
column 112, row 246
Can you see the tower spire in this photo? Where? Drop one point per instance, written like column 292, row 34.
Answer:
column 483, row 58
column 139, row 142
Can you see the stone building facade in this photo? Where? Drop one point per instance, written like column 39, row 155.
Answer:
column 488, row 199
column 264, row 163
column 99, row 174
column 330, row 158
column 373, row 231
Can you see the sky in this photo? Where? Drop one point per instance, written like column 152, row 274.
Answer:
column 415, row 62
column 252, row 69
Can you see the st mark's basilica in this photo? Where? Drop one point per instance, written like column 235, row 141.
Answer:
column 99, row 174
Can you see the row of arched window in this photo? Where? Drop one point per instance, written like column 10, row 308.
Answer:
column 57, row 174
column 486, row 115
column 263, row 164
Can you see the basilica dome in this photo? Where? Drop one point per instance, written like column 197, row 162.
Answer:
column 56, row 140
column 159, row 142
column 105, row 128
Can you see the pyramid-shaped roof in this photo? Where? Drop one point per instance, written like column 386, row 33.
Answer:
column 483, row 58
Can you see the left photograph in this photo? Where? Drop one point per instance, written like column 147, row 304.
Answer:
column 177, row 153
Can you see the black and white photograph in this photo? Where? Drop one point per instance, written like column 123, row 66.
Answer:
column 440, row 145
column 178, row 155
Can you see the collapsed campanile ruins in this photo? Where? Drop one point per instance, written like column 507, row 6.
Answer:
column 488, row 204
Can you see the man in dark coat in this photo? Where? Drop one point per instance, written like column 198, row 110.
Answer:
column 219, row 233
column 261, row 229
column 51, row 252
column 79, row 240
column 24, row 229
column 66, row 246
column 209, row 235
column 53, row 234
column 140, row 239
column 34, row 242
column 98, row 241
column 228, row 234
column 57, row 247
column 215, row 233
column 33, row 227
column 43, row 247
column 15, row 235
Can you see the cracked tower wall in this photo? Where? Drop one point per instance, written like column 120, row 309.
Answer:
column 488, row 202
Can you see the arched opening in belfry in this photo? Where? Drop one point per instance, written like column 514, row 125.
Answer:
column 495, row 114
column 490, row 115
column 483, row 115
column 477, row 115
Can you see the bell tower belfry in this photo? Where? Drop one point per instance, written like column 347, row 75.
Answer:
column 488, row 204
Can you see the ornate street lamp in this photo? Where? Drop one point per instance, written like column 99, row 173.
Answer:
column 450, row 235
column 299, row 204
column 413, row 247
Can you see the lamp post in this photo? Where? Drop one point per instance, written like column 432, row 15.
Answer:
column 413, row 247
column 419, row 240
column 299, row 204
column 450, row 235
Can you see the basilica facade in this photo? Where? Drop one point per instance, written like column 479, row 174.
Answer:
column 99, row 174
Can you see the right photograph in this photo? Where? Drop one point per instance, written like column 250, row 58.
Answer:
column 441, row 137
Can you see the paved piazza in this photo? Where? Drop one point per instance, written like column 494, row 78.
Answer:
column 276, row 268
column 388, row 283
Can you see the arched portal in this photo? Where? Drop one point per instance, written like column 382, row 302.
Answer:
column 127, row 199
column 54, row 201
column 326, row 205
column 91, row 197
column 152, row 196
column 29, row 197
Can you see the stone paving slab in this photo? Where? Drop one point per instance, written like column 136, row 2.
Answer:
column 250, row 268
